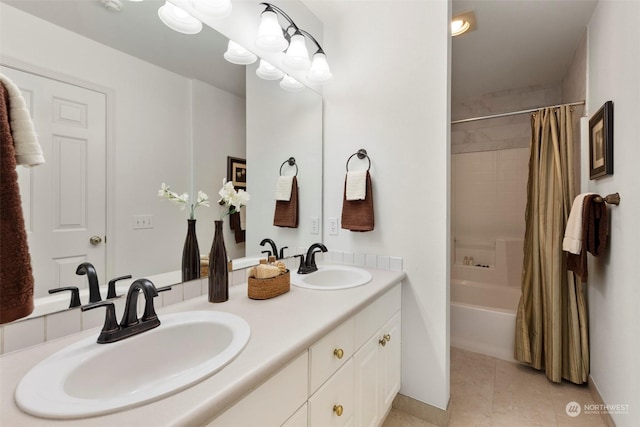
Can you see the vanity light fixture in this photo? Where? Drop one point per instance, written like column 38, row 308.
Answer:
column 179, row 20
column 290, row 84
column 237, row 54
column 273, row 38
column 267, row 71
column 462, row 23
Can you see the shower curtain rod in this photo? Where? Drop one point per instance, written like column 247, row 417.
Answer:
column 514, row 113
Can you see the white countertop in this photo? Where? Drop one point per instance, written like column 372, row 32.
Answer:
column 281, row 329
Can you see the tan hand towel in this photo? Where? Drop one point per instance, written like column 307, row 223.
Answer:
column 595, row 230
column 357, row 215
column 572, row 241
column 16, row 278
column 283, row 187
column 356, row 187
column 27, row 149
column 286, row 212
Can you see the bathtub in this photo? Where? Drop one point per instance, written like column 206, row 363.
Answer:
column 483, row 311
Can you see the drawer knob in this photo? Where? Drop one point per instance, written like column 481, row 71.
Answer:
column 382, row 342
column 338, row 409
column 387, row 337
column 339, row 353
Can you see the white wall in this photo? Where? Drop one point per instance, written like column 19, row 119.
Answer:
column 614, row 291
column 151, row 131
column 218, row 131
column 391, row 98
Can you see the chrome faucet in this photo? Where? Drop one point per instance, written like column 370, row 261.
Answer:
column 130, row 325
column 308, row 264
column 274, row 249
column 94, row 288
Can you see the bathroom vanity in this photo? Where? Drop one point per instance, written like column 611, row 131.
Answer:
column 316, row 358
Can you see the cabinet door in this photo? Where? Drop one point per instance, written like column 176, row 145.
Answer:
column 367, row 384
column 390, row 363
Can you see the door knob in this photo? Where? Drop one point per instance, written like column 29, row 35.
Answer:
column 95, row 240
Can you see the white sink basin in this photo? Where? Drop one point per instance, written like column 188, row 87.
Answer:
column 331, row 277
column 88, row 379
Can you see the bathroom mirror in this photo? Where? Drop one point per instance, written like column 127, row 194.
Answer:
column 183, row 142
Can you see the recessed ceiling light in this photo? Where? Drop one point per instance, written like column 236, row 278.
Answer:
column 462, row 23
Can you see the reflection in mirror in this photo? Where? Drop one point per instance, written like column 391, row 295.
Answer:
column 165, row 120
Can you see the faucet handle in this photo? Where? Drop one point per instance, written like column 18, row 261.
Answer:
column 75, row 295
column 111, row 291
column 110, row 321
column 268, row 252
column 281, row 255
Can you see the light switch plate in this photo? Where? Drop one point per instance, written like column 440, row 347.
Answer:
column 333, row 226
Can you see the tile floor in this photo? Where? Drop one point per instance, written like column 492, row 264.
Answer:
column 489, row 392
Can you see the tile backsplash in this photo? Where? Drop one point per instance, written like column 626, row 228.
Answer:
column 33, row 331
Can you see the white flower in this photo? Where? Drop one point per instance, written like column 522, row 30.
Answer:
column 183, row 200
column 231, row 199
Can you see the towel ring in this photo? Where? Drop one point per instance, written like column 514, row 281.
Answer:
column 362, row 153
column 292, row 162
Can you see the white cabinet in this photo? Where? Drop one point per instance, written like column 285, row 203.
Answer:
column 377, row 373
column 347, row 378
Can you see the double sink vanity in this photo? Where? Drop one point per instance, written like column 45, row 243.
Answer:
column 325, row 353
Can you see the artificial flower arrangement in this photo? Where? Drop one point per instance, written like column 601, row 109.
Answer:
column 183, row 200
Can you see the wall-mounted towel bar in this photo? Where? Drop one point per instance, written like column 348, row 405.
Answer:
column 611, row 199
column 292, row 162
column 362, row 154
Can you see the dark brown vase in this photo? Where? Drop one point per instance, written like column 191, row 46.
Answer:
column 218, row 273
column 190, row 254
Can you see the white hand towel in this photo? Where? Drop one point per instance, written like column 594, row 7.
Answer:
column 572, row 241
column 356, row 185
column 25, row 141
column 243, row 218
column 283, row 188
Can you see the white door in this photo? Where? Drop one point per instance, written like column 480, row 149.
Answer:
column 64, row 200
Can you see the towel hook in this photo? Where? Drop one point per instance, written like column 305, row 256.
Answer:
column 361, row 153
column 292, row 162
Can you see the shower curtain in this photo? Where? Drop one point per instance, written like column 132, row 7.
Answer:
column 551, row 321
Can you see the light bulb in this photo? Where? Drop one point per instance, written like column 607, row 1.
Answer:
column 270, row 37
column 267, row 71
column 297, row 56
column 290, row 84
column 178, row 20
column 237, row 54
column 319, row 71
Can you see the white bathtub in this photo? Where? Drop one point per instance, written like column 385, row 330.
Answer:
column 484, row 302
column 483, row 318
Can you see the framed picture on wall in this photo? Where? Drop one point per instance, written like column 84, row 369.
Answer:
column 237, row 172
column 601, row 142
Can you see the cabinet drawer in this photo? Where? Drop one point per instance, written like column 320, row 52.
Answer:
column 329, row 354
column 299, row 419
column 372, row 318
column 273, row 402
column 333, row 404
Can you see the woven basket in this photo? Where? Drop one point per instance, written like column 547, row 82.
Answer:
column 268, row 288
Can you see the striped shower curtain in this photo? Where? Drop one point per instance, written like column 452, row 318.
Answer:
column 551, row 322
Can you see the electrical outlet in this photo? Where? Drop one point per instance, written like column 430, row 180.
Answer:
column 333, row 226
column 315, row 225
column 142, row 221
